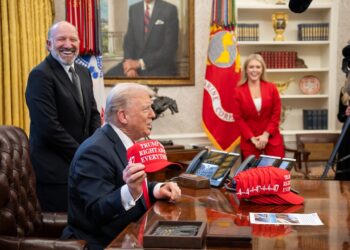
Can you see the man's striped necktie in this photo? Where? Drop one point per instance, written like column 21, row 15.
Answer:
column 147, row 19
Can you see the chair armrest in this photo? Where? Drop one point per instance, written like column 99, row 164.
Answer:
column 296, row 155
column 292, row 150
column 53, row 224
column 300, row 155
column 300, row 151
column 14, row 243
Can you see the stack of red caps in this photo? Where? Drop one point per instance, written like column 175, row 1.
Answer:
column 266, row 185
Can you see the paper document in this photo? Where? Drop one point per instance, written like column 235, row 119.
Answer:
column 285, row 219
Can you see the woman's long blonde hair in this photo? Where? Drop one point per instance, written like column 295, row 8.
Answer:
column 250, row 58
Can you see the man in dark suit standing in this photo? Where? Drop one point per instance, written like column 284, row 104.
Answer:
column 105, row 190
column 151, row 41
column 63, row 114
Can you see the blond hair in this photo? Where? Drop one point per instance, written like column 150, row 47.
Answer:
column 250, row 58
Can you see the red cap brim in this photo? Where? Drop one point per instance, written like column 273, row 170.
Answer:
column 159, row 165
column 279, row 199
column 264, row 200
column 291, row 198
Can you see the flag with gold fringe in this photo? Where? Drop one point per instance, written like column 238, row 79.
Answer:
column 221, row 78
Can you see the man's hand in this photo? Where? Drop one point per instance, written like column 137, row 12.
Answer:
column 130, row 64
column 347, row 111
column 170, row 191
column 132, row 73
column 133, row 175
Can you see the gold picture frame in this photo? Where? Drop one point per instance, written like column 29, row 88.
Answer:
column 112, row 44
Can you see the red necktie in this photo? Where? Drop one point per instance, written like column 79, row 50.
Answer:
column 148, row 205
column 147, row 19
column 145, row 194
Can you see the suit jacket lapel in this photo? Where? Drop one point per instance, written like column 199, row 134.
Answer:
column 119, row 146
column 62, row 75
column 264, row 93
column 250, row 100
column 139, row 26
column 155, row 14
column 59, row 72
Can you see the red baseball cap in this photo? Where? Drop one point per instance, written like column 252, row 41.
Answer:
column 152, row 154
column 266, row 185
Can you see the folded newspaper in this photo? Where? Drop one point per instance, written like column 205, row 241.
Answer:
column 285, row 219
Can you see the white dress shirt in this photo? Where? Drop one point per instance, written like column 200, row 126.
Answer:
column 128, row 201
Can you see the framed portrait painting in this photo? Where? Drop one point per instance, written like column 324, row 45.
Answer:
column 148, row 41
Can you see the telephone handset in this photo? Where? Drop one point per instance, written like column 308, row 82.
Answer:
column 266, row 160
column 246, row 164
column 196, row 161
column 213, row 164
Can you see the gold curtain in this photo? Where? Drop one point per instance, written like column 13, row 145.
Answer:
column 23, row 31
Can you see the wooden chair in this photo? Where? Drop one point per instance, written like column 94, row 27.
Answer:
column 298, row 155
column 315, row 147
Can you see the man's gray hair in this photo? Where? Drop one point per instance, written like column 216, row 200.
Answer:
column 119, row 95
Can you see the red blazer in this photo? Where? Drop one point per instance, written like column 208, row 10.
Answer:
column 253, row 123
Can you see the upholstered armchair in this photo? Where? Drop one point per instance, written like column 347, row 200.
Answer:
column 22, row 224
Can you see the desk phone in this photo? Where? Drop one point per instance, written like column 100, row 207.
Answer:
column 213, row 164
column 265, row 161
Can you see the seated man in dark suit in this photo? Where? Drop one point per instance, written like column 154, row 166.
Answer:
column 104, row 190
column 151, row 41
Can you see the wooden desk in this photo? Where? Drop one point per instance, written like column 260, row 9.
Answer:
column 330, row 199
column 174, row 154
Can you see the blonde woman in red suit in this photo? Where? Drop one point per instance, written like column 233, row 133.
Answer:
column 257, row 111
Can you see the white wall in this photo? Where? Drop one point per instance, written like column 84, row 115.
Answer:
column 185, row 126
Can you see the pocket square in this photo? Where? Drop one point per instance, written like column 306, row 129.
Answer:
column 159, row 22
